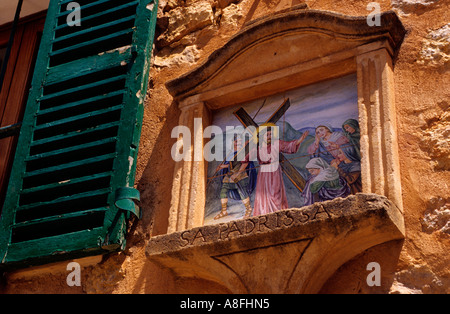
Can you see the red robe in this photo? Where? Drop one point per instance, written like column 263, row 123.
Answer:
column 270, row 194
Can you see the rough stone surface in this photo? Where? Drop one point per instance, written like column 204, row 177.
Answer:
column 419, row 279
column 413, row 6
column 182, row 21
column 189, row 55
column 231, row 15
column 436, row 48
column 436, row 138
column 224, row 3
column 437, row 216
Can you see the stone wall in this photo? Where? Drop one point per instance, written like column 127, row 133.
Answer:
column 187, row 32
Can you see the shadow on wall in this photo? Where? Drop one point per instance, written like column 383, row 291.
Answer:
column 155, row 184
column 146, row 283
column 351, row 278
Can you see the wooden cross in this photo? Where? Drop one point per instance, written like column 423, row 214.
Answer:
column 288, row 169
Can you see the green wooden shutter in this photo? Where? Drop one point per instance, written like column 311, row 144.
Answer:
column 76, row 155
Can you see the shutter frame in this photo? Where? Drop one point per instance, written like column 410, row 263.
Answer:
column 110, row 236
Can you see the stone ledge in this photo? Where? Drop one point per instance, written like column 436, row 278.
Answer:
column 290, row 251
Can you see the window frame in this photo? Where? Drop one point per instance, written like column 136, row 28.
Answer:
column 19, row 80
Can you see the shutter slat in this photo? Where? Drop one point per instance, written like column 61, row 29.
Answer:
column 83, row 7
column 63, row 226
column 71, row 149
column 65, row 199
column 51, row 247
column 69, row 165
column 115, row 10
column 102, row 44
column 65, row 184
column 68, row 136
column 81, row 88
column 102, row 28
column 78, row 123
column 120, row 10
column 91, row 42
column 69, row 205
column 93, row 101
column 71, row 154
column 63, row 3
column 89, row 65
column 59, row 217
column 79, row 117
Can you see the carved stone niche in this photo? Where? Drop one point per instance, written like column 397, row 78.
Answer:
column 293, row 250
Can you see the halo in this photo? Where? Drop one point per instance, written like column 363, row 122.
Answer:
column 263, row 128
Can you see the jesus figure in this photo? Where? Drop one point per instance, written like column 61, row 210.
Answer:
column 270, row 194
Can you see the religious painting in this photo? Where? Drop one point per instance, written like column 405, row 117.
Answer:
column 284, row 151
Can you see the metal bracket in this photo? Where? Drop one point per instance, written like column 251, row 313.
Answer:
column 126, row 199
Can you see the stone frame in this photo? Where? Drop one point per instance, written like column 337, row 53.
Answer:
column 200, row 90
column 334, row 231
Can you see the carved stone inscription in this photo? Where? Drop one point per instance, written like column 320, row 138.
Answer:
column 297, row 249
column 261, row 224
column 278, row 221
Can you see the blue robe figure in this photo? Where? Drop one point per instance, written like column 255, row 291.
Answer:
column 249, row 186
column 324, row 184
column 238, row 183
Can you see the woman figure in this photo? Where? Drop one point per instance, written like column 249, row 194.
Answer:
column 327, row 143
column 350, row 171
column 331, row 145
column 351, row 131
column 324, row 184
column 349, row 165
